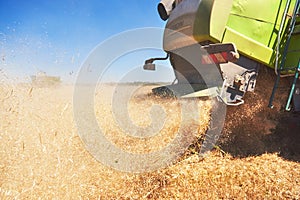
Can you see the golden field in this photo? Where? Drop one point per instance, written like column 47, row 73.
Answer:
column 43, row 157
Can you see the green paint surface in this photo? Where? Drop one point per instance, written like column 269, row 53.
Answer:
column 252, row 25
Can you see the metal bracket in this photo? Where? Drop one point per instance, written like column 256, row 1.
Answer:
column 149, row 63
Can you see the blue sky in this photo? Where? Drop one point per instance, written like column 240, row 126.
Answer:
column 56, row 36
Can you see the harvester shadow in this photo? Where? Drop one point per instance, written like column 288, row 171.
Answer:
column 254, row 129
column 255, row 137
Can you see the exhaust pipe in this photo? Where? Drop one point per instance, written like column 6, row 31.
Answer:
column 165, row 8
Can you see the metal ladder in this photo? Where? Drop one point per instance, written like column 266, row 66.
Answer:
column 294, row 28
column 288, row 104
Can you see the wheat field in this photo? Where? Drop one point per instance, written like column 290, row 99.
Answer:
column 43, row 157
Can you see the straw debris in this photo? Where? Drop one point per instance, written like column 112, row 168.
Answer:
column 41, row 155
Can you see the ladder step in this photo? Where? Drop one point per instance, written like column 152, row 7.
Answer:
column 288, row 69
column 293, row 51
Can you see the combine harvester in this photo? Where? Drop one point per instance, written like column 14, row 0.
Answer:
column 42, row 79
column 238, row 37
